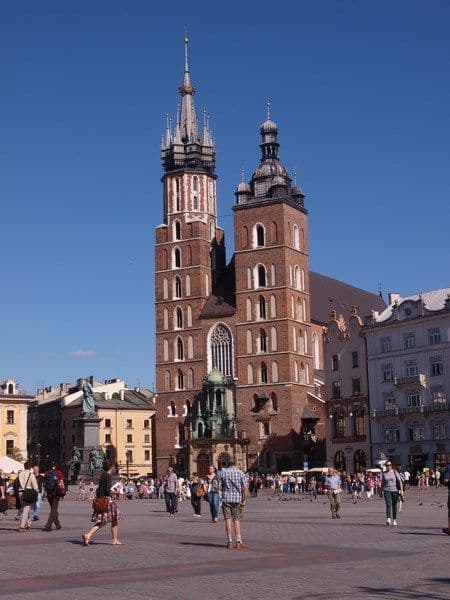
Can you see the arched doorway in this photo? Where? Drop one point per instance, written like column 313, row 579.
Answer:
column 340, row 462
column 360, row 461
column 202, row 464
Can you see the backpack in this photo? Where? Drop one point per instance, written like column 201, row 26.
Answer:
column 51, row 481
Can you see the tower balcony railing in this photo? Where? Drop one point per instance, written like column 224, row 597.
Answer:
column 418, row 379
column 436, row 407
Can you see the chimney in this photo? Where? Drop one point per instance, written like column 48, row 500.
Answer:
column 122, row 394
column 392, row 297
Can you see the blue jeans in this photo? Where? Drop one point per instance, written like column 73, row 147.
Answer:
column 37, row 508
column 391, row 499
column 214, row 503
column 171, row 502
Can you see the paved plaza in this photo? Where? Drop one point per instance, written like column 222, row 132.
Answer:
column 295, row 551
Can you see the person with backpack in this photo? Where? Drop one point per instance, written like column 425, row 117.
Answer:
column 55, row 488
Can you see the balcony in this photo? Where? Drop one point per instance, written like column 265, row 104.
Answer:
column 412, row 380
column 437, row 407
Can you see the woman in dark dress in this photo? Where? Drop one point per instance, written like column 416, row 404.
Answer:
column 110, row 515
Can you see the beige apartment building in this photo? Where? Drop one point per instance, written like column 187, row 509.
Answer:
column 13, row 420
column 126, row 426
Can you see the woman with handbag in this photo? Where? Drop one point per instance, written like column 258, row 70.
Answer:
column 28, row 494
column 392, row 487
column 197, row 493
column 105, row 508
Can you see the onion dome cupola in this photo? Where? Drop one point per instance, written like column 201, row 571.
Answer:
column 183, row 146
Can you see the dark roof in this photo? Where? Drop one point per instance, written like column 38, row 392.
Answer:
column 132, row 400
column 221, row 302
column 329, row 294
column 308, row 413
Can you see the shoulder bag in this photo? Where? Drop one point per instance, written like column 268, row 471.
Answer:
column 29, row 495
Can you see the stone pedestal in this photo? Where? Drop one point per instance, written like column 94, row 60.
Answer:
column 87, row 438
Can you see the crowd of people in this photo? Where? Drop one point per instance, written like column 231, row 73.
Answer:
column 225, row 490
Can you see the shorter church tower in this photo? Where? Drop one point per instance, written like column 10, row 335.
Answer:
column 273, row 328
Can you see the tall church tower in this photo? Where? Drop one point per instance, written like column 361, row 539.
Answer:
column 190, row 257
column 273, row 326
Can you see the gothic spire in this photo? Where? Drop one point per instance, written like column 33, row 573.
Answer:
column 188, row 121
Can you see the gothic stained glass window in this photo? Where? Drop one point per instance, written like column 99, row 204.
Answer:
column 221, row 351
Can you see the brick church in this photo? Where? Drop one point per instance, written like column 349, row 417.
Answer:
column 238, row 346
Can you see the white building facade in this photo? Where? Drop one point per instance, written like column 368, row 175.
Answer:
column 408, row 358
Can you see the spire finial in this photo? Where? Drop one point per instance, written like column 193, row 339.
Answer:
column 295, row 177
column 205, row 118
column 268, row 105
column 242, row 173
column 178, row 114
column 380, row 290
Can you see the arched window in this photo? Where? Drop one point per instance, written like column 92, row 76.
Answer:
column 164, row 259
column 340, row 463
column 273, row 307
column 263, row 373
column 360, row 461
column 301, row 342
column 262, row 307
column 299, row 310
column 295, row 371
column 188, row 408
column 296, row 238
column 273, row 339
column 166, row 350
column 288, row 234
column 200, row 430
column 179, row 349
column 249, row 278
column 177, row 195
column 167, row 381
column 262, row 280
column 189, row 315
column 294, row 339
column 275, row 372
column 274, row 401
column 190, row 383
column 297, row 278
column 166, row 319
column 195, row 202
column 249, row 309
column 274, row 233
column 176, row 230
column 177, row 287
column 335, row 362
column 303, row 240
column 245, row 236
column 260, row 235
column 273, row 275
column 195, row 183
column 178, row 318
column 249, row 374
column 190, row 347
column 172, row 409
column 218, row 400
column 249, row 342
column 188, row 285
column 302, row 373
column 176, row 258
column 165, row 289
column 221, row 349
column 180, row 380
column 181, row 434
column 316, row 355
column 262, row 341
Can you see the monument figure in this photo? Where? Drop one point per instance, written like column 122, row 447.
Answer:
column 96, row 459
column 74, row 463
column 88, row 399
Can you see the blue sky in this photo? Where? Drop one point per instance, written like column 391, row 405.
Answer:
column 361, row 94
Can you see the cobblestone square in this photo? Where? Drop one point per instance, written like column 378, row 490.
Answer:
column 295, row 551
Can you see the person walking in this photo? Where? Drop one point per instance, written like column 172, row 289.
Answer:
column 38, row 503
column 213, row 493
column 28, row 494
column 234, row 489
column 197, row 493
column 170, row 486
column 332, row 484
column 312, row 489
column 81, row 490
column 105, row 508
column 54, row 486
column 392, row 486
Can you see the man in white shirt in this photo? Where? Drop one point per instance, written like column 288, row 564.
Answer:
column 406, row 477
